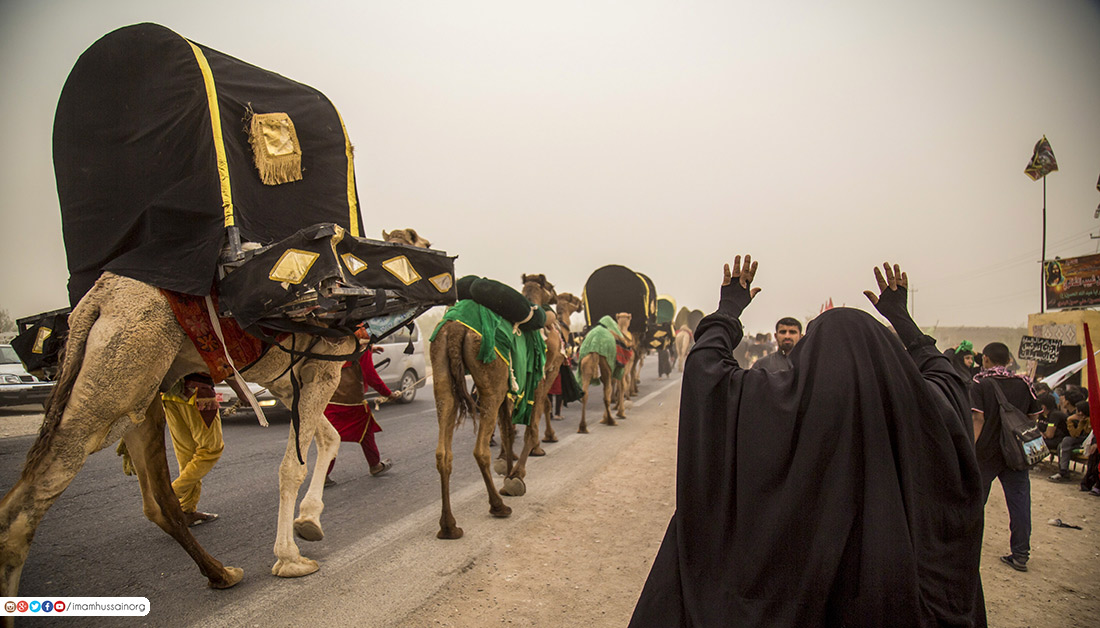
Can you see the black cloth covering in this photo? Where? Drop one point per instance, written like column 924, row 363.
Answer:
column 137, row 173
column 612, row 289
column 844, row 492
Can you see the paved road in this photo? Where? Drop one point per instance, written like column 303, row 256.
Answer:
column 96, row 542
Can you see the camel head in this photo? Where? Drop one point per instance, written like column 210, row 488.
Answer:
column 406, row 236
column 568, row 304
column 623, row 319
column 538, row 290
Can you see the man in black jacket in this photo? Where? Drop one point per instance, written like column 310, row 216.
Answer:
column 986, row 413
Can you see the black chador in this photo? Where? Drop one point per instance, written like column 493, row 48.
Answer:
column 844, row 492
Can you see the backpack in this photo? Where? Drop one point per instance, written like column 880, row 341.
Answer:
column 1022, row 443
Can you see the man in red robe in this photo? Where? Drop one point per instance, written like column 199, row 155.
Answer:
column 351, row 415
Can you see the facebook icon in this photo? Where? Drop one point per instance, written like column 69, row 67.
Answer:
column 47, row 606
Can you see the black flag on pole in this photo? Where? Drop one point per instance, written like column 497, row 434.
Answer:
column 1042, row 161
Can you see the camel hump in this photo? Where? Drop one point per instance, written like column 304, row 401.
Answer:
column 508, row 303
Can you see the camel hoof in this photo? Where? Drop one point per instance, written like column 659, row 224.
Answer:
column 500, row 467
column 550, row 439
column 502, row 511
column 233, row 575
column 309, row 529
column 294, row 569
column 537, row 451
column 608, row 421
column 620, row 415
column 582, row 430
column 449, row 534
column 514, row 487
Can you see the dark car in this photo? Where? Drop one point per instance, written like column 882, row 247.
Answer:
column 17, row 386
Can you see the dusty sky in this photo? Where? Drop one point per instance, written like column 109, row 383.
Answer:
column 557, row 137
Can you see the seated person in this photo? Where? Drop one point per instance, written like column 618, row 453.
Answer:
column 1052, row 422
column 1077, row 424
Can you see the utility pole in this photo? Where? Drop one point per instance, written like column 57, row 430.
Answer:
column 1043, row 262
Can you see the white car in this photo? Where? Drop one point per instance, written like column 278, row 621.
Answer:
column 400, row 371
column 227, row 399
column 17, row 386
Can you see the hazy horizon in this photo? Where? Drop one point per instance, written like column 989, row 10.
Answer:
column 667, row 137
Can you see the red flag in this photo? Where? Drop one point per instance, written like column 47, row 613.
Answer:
column 1094, row 386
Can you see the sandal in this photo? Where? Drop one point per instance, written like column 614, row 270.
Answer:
column 199, row 518
column 383, row 466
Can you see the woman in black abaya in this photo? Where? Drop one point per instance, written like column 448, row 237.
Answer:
column 843, row 492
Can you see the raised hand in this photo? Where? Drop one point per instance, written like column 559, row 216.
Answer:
column 739, row 293
column 892, row 302
column 893, row 290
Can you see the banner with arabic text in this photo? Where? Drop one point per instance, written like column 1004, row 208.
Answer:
column 1073, row 282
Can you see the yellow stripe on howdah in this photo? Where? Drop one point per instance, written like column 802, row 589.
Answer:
column 216, row 127
column 353, row 206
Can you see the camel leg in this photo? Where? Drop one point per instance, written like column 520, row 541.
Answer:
column 549, row 436
column 619, row 399
column 605, row 378
column 447, row 409
column 531, row 434
column 24, row 505
column 145, row 444
column 319, row 379
column 583, row 427
column 506, row 460
column 488, row 408
column 110, row 391
column 308, row 524
column 513, row 483
column 289, row 562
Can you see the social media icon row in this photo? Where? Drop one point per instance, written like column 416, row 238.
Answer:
column 35, row 606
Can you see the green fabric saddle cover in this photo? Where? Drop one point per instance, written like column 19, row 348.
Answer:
column 524, row 354
column 601, row 340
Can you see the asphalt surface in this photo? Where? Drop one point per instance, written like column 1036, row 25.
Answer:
column 95, row 541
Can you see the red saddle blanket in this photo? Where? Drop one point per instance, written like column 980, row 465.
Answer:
column 194, row 318
column 623, row 355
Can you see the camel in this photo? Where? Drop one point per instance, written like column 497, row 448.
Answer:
column 453, row 352
column 567, row 305
column 684, row 340
column 541, row 293
column 103, row 394
column 406, row 236
column 592, row 364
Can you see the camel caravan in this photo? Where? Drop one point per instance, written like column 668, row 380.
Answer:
column 216, row 228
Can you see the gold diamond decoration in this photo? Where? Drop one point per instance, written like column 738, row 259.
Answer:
column 354, row 264
column 40, row 339
column 443, row 282
column 293, row 266
column 401, row 268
